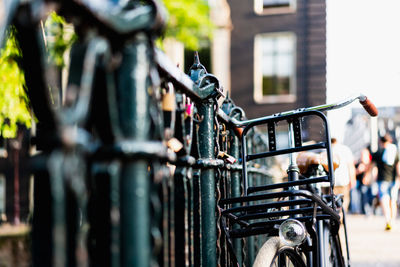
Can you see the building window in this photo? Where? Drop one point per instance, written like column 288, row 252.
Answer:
column 266, row 7
column 275, row 68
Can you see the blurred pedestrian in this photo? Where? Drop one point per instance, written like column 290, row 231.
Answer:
column 387, row 162
column 361, row 199
column 345, row 174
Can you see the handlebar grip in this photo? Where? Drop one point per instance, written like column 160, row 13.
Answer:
column 369, row 106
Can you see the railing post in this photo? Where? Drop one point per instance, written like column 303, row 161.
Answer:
column 207, row 185
column 135, row 178
column 208, row 89
column 235, row 191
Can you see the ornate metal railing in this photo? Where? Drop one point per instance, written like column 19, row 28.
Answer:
column 132, row 166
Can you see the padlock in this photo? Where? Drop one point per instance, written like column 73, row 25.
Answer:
column 169, row 99
column 226, row 157
column 169, row 107
column 188, row 109
column 174, row 144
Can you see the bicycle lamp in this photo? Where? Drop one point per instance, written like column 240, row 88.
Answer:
column 292, row 232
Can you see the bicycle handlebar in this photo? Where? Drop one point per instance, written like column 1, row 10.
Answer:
column 364, row 101
column 368, row 106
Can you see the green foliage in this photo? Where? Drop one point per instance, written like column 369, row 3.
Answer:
column 13, row 100
column 188, row 22
column 59, row 38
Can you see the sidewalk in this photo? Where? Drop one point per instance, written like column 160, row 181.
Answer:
column 370, row 245
column 14, row 246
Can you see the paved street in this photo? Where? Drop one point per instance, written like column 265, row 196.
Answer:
column 370, row 244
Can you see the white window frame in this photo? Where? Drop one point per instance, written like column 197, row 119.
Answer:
column 258, row 75
column 260, row 10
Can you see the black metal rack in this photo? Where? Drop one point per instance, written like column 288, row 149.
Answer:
column 280, row 201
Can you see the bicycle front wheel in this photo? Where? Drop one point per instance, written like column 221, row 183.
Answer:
column 333, row 251
column 274, row 254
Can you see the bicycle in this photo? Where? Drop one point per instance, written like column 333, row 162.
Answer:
column 302, row 223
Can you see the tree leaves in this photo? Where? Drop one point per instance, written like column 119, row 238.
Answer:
column 60, row 38
column 188, row 22
column 13, row 99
